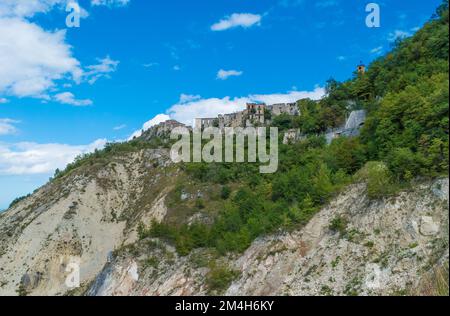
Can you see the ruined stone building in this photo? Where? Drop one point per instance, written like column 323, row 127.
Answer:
column 254, row 114
column 284, row 108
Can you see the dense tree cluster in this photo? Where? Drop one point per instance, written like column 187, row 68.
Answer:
column 406, row 136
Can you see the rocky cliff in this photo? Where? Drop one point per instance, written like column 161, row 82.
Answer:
column 385, row 248
column 90, row 217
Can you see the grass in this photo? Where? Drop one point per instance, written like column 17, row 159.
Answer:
column 435, row 282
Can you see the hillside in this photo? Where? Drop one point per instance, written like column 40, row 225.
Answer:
column 365, row 215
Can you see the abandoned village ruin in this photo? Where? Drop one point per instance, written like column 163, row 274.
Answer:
column 260, row 114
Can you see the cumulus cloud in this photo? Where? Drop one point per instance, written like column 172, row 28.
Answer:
column 185, row 111
column 244, row 20
column 27, row 158
column 36, row 61
column 154, row 121
column 225, row 74
column 69, row 98
column 188, row 98
column 7, row 126
column 33, row 59
column 27, row 8
column 3, row 100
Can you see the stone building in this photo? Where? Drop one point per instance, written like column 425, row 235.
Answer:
column 284, row 108
column 206, row 122
column 254, row 114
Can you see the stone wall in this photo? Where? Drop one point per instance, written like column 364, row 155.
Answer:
column 253, row 114
column 284, row 108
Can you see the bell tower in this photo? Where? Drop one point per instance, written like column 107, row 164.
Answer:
column 361, row 69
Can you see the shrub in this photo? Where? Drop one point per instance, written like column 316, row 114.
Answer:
column 404, row 164
column 200, row 204
column 18, row 200
column 220, row 277
column 378, row 179
column 339, row 225
column 225, row 193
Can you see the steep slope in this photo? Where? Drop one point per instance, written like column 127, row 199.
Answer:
column 90, row 216
column 82, row 216
column 385, row 247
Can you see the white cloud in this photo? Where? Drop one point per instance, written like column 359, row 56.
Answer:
column 185, row 111
column 103, row 69
column 69, row 98
column 33, row 59
column 110, row 3
column 154, row 121
column 7, row 126
column 291, row 96
column 33, row 158
column 244, row 20
column 225, row 74
column 176, row 68
column 3, row 100
column 341, row 58
column 377, row 50
column 398, row 34
column 188, row 98
column 27, row 8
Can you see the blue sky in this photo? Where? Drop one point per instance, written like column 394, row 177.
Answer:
column 64, row 91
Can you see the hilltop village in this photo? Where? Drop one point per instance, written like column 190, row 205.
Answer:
column 260, row 114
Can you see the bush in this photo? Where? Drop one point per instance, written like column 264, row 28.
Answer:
column 378, row 179
column 18, row 200
column 225, row 193
column 339, row 225
column 404, row 164
column 220, row 277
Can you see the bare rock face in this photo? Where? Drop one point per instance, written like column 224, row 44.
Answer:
column 385, row 249
column 381, row 252
column 87, row 222
column 78, row 220
column 428, row 227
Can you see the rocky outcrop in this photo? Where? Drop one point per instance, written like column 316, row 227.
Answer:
column 352, row 127
column 385, row 248
column 161, row 131
column 80, row 219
